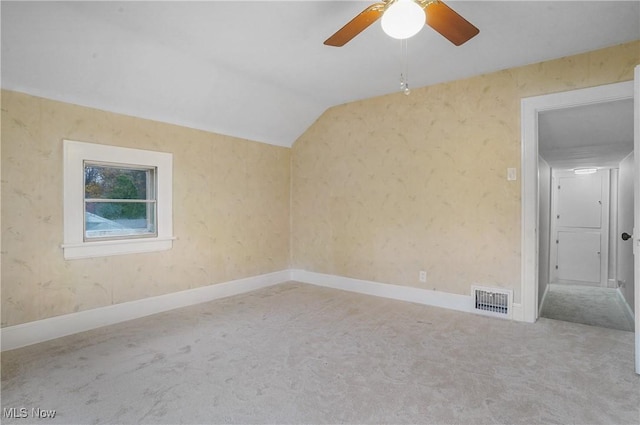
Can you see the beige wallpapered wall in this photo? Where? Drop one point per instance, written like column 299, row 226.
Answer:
column 389, row 186
column 231, row 211
column 381, row 189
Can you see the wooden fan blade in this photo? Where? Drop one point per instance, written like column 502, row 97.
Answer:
column 356, row 25
column 447, row 22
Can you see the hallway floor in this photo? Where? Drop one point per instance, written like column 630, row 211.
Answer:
column 588, row 305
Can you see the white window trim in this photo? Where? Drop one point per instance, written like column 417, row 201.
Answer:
column 75, row 153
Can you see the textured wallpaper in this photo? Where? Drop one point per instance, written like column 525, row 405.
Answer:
column 231, row 211
column 389, row 186
column 380, row 189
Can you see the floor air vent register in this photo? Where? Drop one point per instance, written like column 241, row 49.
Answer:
column 493, row 302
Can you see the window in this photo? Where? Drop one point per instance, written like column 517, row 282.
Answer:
column 116, row 200
column 119, row 201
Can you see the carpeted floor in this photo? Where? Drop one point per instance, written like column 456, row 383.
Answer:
column 297, row 353
column 588, row 305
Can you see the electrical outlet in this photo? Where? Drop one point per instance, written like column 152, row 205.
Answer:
column 422, row 276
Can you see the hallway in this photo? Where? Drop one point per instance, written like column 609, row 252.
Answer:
column 589, row 305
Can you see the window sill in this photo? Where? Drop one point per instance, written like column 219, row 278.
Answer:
column 115, row 247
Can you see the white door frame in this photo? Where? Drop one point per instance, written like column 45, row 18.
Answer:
column 530, row 108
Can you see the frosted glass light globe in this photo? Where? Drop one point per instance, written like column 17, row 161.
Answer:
column 403, row 19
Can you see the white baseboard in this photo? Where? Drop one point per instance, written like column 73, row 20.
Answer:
column 626, row 304
column 544, row 297
column 385, row 290
column 517, row 312
column 55, row 327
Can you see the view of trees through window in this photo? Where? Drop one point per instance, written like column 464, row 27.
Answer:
column 118, row 200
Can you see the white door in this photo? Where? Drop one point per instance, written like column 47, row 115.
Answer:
column 636, row 231
column 580, row 216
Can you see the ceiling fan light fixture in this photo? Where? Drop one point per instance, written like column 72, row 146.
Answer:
column 403, row 19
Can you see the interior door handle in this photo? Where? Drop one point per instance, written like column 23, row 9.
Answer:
column 625, row 236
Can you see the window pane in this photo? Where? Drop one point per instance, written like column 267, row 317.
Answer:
column 119, row 201
column 112, row 219
column 105, row 182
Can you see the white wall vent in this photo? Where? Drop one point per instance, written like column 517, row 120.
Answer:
column 494, row 302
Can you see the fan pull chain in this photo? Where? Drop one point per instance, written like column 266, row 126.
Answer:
column 404, row 66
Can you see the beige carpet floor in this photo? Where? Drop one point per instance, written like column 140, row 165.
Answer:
column 588, row 305
column 296, row 353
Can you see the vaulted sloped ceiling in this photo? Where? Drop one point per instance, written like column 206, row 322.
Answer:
column 258, row 70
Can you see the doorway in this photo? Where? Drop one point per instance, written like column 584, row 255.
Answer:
column 580, row 150
column 533, row 172
column 527, row 310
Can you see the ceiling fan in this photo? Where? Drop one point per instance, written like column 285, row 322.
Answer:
column 439, row 16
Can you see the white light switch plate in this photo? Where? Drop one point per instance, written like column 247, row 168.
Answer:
column 511, row 174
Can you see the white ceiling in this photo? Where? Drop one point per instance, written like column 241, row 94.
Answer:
column 258, row 70
column 598, row 135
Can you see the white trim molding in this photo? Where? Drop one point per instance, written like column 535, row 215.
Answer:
column 544, row 298
column 446, row 300
column 55, row 327
column 386, row 290
column 626, row 305
column 18, row 336
column 75, row 154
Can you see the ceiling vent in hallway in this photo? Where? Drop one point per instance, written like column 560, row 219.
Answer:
column 494, row 302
